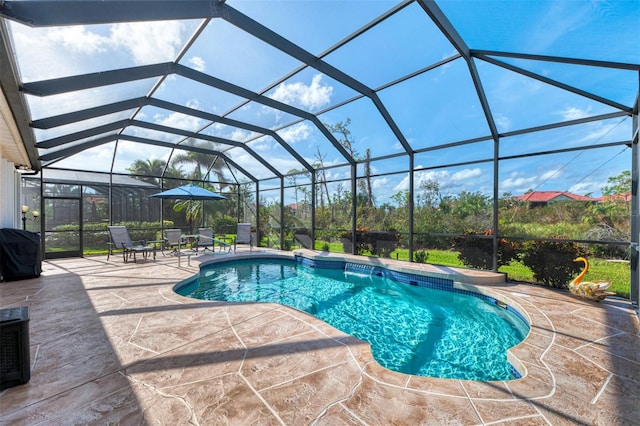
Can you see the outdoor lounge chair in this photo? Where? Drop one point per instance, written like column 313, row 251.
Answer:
column 207, row 240
column 173, row 240
column 304, row 240
column 121, row 240
column 243, row 236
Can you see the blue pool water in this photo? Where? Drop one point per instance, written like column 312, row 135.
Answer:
column 411, row 329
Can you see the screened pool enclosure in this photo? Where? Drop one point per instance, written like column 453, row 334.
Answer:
column 496, row 132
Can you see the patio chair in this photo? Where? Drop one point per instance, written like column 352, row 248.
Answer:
column 207, row 240
column 121, row 240
column 304, row 240
column 243, row 236
column 173, row 240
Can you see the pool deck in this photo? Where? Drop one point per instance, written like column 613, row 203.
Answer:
column 111, row 343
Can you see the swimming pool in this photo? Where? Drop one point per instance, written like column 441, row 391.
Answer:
column 422, row 326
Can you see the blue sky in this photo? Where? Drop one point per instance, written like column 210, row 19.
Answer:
column 434, row 108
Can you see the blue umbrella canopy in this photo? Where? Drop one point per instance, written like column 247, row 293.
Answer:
column 188, row 192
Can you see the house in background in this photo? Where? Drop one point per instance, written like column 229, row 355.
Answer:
column 615, row 198
column 544, row 198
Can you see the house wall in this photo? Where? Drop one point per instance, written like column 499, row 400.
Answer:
column 9, row 195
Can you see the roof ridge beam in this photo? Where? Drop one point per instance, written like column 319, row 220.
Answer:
column 56, row 86
column 182, row 132
column 88, row 113
column 65, row 152
column 73, row 137
column 39, row 13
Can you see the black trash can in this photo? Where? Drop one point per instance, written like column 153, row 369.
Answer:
column 20, row 255
column 15, row 359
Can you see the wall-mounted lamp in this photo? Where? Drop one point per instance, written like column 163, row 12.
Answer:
column 24, row 210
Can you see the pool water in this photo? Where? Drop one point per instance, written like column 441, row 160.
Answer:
column 411, row 329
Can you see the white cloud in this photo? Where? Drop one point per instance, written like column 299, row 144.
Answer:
column 398, row 146
column 241, row 135
column 556, row 24
column 60, row 51
column 380, row 182
column 193, row 103
column 431, row 175
column 251, row 165
column 99, row 157
column 149, row 134
column 502, row 122
column 149, row 42
column 587, row 187
column 466, row 174
column 179, row 121
column 573, row 113
column 599, row 129
column 295, row 133
column 465, row 179
column 78, row 40
column 518, row 183
column 553, row 173
column 333, row 174
column 51, row 52
column 312, row 97
column 264, row 144
column 197, row 63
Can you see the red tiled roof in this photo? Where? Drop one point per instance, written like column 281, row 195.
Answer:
column 615, row 197
column 546, row 196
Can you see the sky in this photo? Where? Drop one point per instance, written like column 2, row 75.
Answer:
column 433, row 108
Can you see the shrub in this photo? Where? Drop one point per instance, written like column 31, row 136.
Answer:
column 477, row 252
column 378, row 243
column 552, row 261
column 420, row 256
column 604, row 232
column 96, row 234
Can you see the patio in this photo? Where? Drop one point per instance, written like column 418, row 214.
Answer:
column 112, row 344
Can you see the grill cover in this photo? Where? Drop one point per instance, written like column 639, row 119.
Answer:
column 20, row 255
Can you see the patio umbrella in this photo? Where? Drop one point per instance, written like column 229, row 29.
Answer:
column 188, row 192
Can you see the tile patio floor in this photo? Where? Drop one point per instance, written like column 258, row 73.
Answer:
column 112, row 344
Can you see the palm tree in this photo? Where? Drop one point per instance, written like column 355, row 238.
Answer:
column 149, row 170
column 202, row 164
